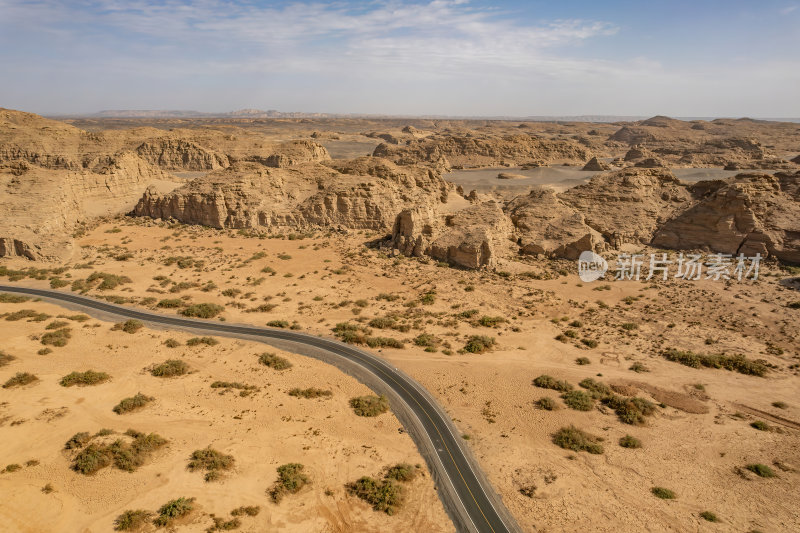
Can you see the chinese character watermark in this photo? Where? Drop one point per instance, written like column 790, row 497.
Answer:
column 690, row 266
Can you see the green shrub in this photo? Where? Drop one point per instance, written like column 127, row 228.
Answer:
column 170, row 368
column 630, row 410
column 129, row 326
column 491, row 321
column 583, row 361
column 709, row 516
column 210, row 460
column 591, row 343
column 56, row 324
column 572, row 438
column 761, row 425
column 171, row 343
column 638, row 367
column 78, row 440
column 20, row 379
column 170, row 303
column 6, row 298
column 547, row 382
column 479, row 344
column 275, row 362
column 278, row 324
column 664, row 494
column 630, row 442
column 5, row 358
column 426, row 340
column 196, row 341
column 249, row 510
column 109, row 281
column 131, row 520
column 83, row 379
column 30, row 314
column 383, row 495
column 172, row 510
column 736, row 363
column 205, row 310
column 92, row 458
column 58, row 338
column 578, row 400
column 383, row 342
column 761, row 470
column 290, row 480
column 132, row 403
column 11, row 468
column 369, row 405
column 598, row 389
column 310, row 393
column 401, row 472
column 546, row 403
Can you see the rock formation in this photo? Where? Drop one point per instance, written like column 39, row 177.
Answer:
column 596, row 166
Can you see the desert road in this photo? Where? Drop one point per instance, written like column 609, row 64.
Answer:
column 463, row 488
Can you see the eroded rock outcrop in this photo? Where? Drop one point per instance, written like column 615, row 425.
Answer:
column 597, row 166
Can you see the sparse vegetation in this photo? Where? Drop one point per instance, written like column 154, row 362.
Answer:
column 84, row 379
column 5, row 358
column 170, row 303
column 132, row 403
column 312, row 392
column 578, row 400
column 369, row 405
column 630, row 410
column 129, row 326
column 275, row 362
column 548, row 382
column 761, row 470
column 583, row 361
column 58, row 338
column 664, row 494
column 290, row 480
column 125, row 456
column 204, row 310
column 132, row 520
column 170, row 368
column 736, row 363
column 173, row 510
column 709, row 516
column 630, row 442
column 249, row 510
column 761, row 425
column 196, row 341
column 210, row 460
column 572, row 438
column 6, row 298
column 479, row 344
column 546, row 403
column 20, row 379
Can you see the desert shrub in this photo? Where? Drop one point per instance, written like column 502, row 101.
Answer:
column 172, row 510
column 479, row 344
column 13, row 467
column 126, row 405
column 630, row 442
column 278, row 324
column 490, row 321
column 5, row 358
column 583, row 361
column 170, row 368
column 572, row 438
column 546, row 403
column 44, row 351
column 591, row 343
column 30, row 314
column 249, row 510
column 20, row 379
column 58, row 338
column 401, row 472
column 369, row 405
column 275, row 362
column 629, row 326
column 578, row 400
column 761, row 470
column 204, row 310
column 131, row 520
column 428, row 298
column 310, row 393
column 547, row 382
column 382, row 322
column 56, row 324
column 78, row 440
column 129, row 326
column 83, row 379
column 263, row 308
column 761, row 425
column 109, row 281
column 196, row 341
column 596, row 388
column 630, row 410
column 736, row 363
column 383, row 495
column 383, row 342
column 664, row 494
column 170, row 303
column 426, row 339
column 6, row 298
column 243, row 388
column 638, row 367
column 290, row 480
column 172, row 343
column 709, row 516
column 48, row 488
column 91, row 459
column 779, row 405
column 210, row 460
column 220, row 524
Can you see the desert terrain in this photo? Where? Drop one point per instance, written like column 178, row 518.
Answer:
column 448, row 248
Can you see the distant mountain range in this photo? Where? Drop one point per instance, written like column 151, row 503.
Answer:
column 272, row 113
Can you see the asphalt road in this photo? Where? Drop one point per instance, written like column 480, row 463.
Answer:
column 463, row 488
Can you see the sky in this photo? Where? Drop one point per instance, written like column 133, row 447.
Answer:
column 427, row 57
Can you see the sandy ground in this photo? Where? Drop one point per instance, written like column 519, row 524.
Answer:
column 696, row 444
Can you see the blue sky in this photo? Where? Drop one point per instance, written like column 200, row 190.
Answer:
column 451, row 57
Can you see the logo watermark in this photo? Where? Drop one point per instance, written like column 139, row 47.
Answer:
column 634, row 267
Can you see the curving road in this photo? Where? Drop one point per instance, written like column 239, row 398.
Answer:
column 463, row 488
